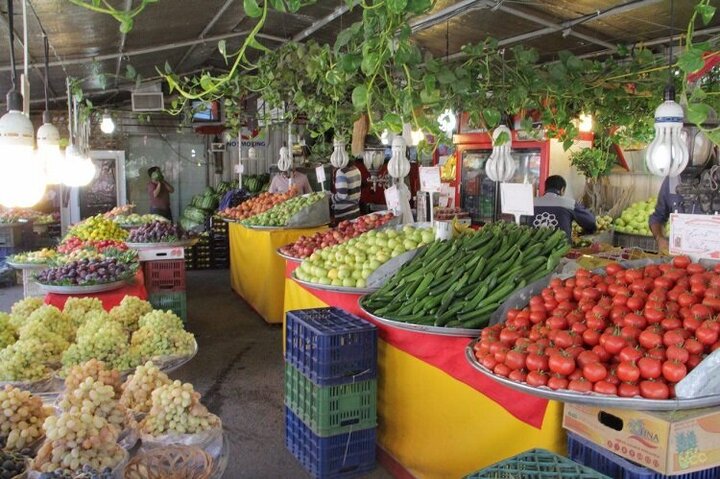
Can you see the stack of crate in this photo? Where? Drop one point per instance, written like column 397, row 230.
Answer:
column 203, row 252
column 219, row 243
column 166, row 286
column 331, row 392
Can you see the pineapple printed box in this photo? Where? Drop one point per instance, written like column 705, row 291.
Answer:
column 670, row 443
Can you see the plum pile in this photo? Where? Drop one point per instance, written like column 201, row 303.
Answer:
column 85, row 272
column 156, row 232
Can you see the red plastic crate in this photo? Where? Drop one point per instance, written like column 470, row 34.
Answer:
column 167, row 276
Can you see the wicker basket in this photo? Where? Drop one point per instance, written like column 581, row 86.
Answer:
column 171, row 462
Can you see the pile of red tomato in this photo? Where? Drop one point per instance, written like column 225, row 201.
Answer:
column 630, row 333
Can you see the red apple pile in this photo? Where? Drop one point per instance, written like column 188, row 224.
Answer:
column 345, row 230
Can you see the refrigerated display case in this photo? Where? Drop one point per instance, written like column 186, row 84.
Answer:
column 475, row 192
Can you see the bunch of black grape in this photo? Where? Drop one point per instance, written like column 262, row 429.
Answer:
column 87, row 472
column 84, row 272
column 156, row 232
column 11, row 464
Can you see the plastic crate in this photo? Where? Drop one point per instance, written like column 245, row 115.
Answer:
column 331, row 410
column 31, row 288
column 11, row 236
column 341, row 456
column 537, row 464
column 330, row 346
column 165, row 276
column 607, row 462
column 175, row 302
column 625, row 240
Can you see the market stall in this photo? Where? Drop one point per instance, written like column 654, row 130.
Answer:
column 426, row 376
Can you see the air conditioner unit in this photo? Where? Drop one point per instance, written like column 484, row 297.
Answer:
column 148, row 101
column 217, row 147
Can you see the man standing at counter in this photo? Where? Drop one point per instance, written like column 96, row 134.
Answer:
column 555, row 210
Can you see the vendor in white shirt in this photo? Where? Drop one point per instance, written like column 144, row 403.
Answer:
column 288, row 177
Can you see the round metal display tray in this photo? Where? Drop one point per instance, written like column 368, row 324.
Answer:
column 172, row 244
column 419, row 328
column 592, row 399
column 274, row 228
column 15, row 265
column 288, row 257
column 93, row 288
column 334, row 289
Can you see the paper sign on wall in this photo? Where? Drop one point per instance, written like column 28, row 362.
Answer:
column 430, row 179
column 392, row 198
column 517, row 199
column 697, row 236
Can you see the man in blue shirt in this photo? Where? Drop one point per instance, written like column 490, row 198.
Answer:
column 555, row 210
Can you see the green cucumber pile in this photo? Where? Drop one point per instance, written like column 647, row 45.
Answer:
column 460, row 283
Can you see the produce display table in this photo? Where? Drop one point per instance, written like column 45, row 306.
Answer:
column 110, row 299
column 437, row 417
column 257, row 273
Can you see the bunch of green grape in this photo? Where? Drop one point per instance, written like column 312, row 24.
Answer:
column 51, row 319
column 74, row 440
column 94, row 398
column 21, row 419
column 129, row 312
column 25, row 360
column 161, row 333
column 138, row 388
column 22, row 310
column 97, row 370
column 8, row 332
column 78, row 308
column 176, row 408
column 100, row 338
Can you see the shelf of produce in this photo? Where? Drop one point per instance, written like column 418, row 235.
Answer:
column 429, row 395
column 257, row 273
column 110, row 299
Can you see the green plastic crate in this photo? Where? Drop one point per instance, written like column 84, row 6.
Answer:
column 537, row 464
column 175, row 302
column 331, row 410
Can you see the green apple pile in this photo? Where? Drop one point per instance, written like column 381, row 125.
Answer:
column 634, row 220
column 281, row 213
column 350, row 264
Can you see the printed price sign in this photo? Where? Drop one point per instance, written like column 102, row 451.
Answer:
column 392, row 198
column 320, row 174
column 430, row 179
column 240, row 169
column 517, row 199
column 697, row 236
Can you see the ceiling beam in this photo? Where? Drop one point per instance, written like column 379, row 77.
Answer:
column 320, row 23
column 31, row 60
column 205, row 31
column 153, row 49
column 121, row 47
column 568, row 24
column 459, row 8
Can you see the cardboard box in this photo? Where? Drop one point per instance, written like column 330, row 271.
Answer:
column 156, row 254
column 670, row 443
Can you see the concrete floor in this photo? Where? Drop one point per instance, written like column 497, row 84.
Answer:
column 239, row 371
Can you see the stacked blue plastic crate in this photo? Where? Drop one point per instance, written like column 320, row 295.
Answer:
column 331, row 392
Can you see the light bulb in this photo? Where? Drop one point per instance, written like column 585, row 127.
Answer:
column 585, row 123
column 339, row 158
column 22, row 182
column 79, row 169
column 500, row 166
column 385, row 137
column 447, row 121
column 107, row 125
column 398, row 166
column 668, row 154
column 48, row 150
column 285, row 161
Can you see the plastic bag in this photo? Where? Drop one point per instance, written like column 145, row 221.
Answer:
column 701, row 381
column 210, row 440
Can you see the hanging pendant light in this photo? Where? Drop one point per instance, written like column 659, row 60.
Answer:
column 339, row 158
column 501, row 165
column 285, row 161
column 107, row 125
column 668, row 154
column 21, row 182
column 48, row 137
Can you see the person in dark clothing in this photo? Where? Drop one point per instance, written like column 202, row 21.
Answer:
column 668, row 201
column 554, row 210
column 159, row 192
